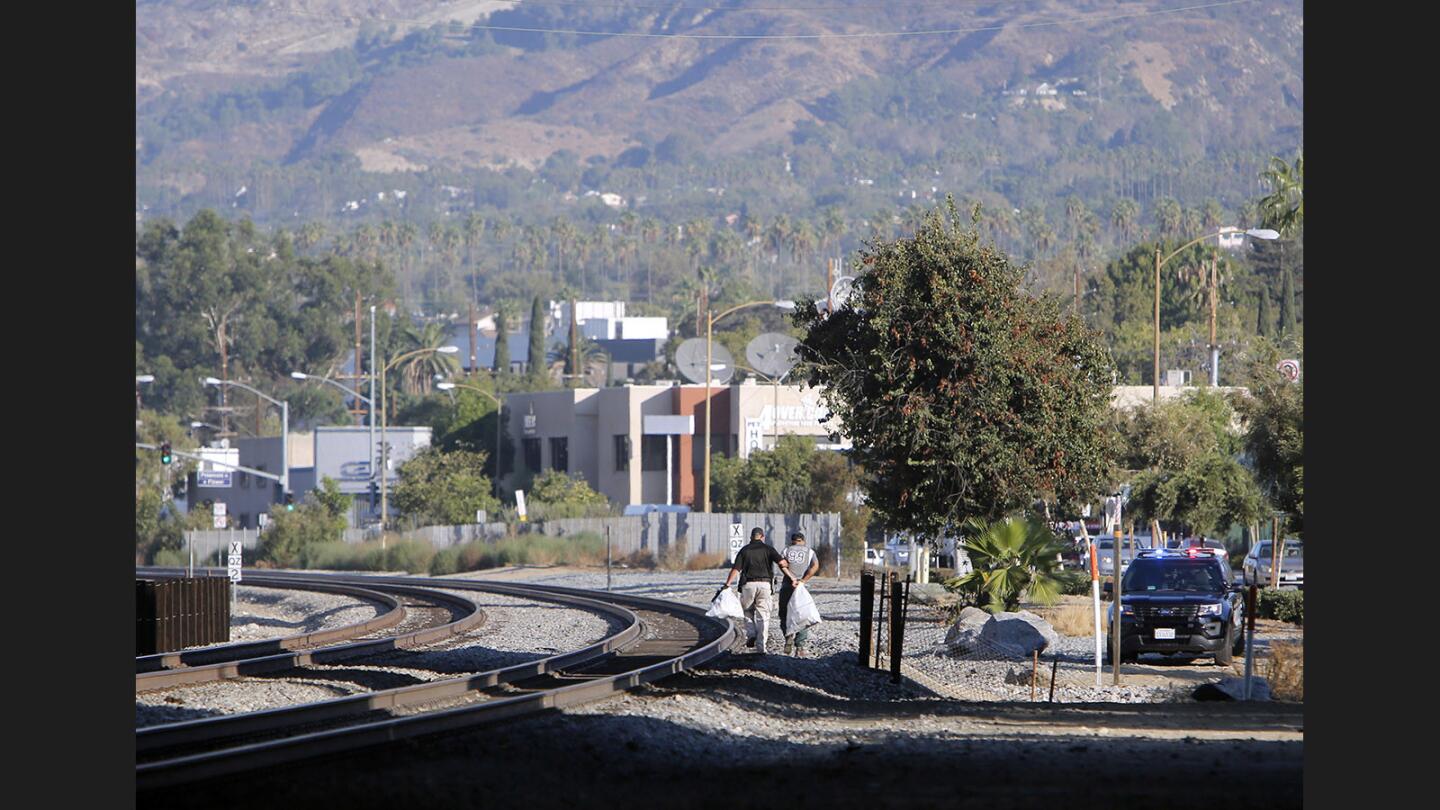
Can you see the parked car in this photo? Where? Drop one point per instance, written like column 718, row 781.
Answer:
column 873, row 556
column 1182, row 543
column 1179, row 602
column 1256, row 568
column 1105, row 553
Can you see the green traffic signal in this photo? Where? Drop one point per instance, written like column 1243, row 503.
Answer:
column 289, row 502
column 165, row 455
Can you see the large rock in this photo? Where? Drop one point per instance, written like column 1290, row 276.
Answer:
column 1016, row 635
column 964, row 635
column 932, row 593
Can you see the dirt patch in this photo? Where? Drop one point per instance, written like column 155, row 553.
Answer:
column 376, row 159
column 502, row 144
column 1152, row 62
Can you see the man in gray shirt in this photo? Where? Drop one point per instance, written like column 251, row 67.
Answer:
column 754, row 565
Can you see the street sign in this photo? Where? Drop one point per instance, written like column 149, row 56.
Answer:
column 218, row 509
column 214, row 479
column 221, row 521
column 737, row 539
column 520, row 503
column 262, row 519
column 236, row 561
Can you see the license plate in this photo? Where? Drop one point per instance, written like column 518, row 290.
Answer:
column 1164, row 633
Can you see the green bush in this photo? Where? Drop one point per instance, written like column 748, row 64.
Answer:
column 1077, row 586
column 169, row 557
column 1283, row 605
column 333, row 556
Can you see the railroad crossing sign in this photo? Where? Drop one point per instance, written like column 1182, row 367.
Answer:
column 236, row 561
column 737, row 539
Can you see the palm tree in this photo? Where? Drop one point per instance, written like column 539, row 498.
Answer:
column 1124, row 215
column 1284, row 207
column 418, row 372
column 1011, row 558
column 1168, row 217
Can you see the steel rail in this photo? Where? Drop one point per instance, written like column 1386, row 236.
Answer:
column 652, row 659
column 472, row 617
column 213, row 729
column 393, row 614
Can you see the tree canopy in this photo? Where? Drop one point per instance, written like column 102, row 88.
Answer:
column 963, row 395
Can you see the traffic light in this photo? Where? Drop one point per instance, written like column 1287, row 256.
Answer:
column 289, row 502
column 165, row 455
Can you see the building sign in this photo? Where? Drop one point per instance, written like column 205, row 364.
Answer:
column 808, row 414
column 213, row 480
column 529, row 423
column 754, row 435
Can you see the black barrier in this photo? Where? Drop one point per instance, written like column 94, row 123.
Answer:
column 867, row 610
column 172, row 614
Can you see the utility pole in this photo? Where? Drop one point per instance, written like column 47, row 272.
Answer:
column 1214, row 344
column 1156, row 397
column 471, row 332
column 370, row 465
column 574, row 347
column 1076, row 305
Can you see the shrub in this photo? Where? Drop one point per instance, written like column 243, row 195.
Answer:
column 1011, row 558
column 672, row 558
column 1077, row 586
column 638, row 559
column 1285, row 670
column 1284, row 605
column 333, row 556
column 169, row 557
column 704, row 562
column 1072, row 619
column 290, row 533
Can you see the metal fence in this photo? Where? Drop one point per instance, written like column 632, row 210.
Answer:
column 698, row 532
column 655, row 533
column 210, row 546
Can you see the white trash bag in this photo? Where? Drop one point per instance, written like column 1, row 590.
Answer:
column 726, row 605
column 802, row 612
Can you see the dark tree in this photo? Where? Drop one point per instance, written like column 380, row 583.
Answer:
column 1265, row 320
column 537, row 339
column 1287, row 304
column 502, row 345
column 964, row 396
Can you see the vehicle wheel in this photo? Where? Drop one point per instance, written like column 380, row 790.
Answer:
column 1225, row 656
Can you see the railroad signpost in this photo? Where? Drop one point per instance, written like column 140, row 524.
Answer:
column 236, row 561
column 737, row 539
column 221, row 519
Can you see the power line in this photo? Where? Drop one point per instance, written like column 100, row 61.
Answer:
column 858, row 35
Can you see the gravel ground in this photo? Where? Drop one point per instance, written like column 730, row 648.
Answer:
column 968, row 677
column 262, row 613
column 814, row 732
column 515, row 631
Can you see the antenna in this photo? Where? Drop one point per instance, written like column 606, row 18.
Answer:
column 690, row 358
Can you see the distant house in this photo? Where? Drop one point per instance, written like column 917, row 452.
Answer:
column 1046, row 90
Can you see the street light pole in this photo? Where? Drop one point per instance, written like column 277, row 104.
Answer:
column 370, row 462
column 284, row 426
column 1257, row 233
column 711, row 318
column 370, row 402
column 384, row 448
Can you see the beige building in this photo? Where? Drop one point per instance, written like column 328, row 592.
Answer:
column 645, row 443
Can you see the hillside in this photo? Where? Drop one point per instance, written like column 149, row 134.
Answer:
column 310, row 105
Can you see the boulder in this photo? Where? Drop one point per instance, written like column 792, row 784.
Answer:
column 1232, row 687
column 1016, row 635
column 932, row 593
column 964, row 635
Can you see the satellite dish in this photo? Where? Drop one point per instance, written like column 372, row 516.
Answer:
column 772, row 354
column 690, row 358
column 841, row 289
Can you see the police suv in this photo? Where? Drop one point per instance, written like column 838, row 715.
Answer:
column 1180, row 602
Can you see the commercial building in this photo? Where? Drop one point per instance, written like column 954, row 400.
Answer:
column 645, row 443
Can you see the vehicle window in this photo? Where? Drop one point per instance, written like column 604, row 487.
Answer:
column 1174, row 575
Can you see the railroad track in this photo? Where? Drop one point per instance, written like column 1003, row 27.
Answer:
column 658, row 638
column 441, row 615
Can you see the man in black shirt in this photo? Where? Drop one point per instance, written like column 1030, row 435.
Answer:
column 753, row 564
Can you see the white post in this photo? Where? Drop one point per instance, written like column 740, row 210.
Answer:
column 285, row 448
column 190, row 546
column 1094, row 595
column 370, row 463
column 669, row 473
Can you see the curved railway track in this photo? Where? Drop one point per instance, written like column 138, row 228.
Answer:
column 441, row 615
column 658, row 638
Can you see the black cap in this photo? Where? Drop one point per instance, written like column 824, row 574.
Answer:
column 797, row 536
column 757, row 533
